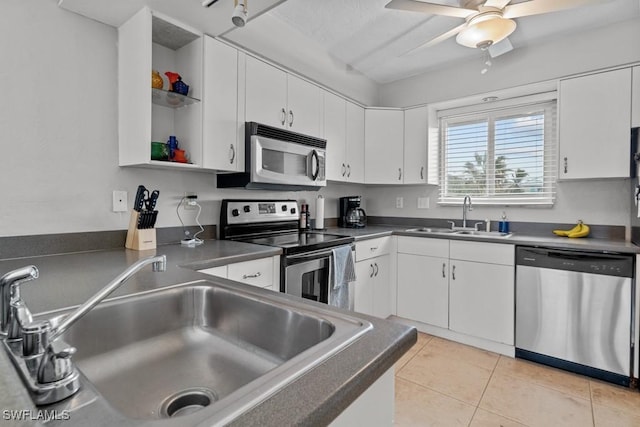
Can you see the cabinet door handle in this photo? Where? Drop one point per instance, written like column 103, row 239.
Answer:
column 291, row 118
column 372, row 270
column 251, row 276
column 566, row 165
column 443, row 267
column 422, row 172
column 453, row 272
column 399, row 174
column 283, row 118
column 376, row 264
column 232, row 153
column 348, row 170
column 344, row 169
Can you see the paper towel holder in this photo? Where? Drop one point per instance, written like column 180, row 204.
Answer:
column 319, row 219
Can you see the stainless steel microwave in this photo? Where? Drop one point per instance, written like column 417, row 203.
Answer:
column 278, row 159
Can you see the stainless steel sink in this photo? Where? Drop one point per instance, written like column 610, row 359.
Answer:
column 431, row 230
column 202, row 351
column 495, row 234
column 458, row 232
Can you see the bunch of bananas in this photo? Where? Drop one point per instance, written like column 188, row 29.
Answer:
column 580, row 230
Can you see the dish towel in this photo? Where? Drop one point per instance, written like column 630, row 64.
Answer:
column 344, row 271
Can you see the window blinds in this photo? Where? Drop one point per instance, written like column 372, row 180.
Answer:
column 506, row 156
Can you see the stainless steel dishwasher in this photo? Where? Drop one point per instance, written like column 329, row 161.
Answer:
column 574, row 310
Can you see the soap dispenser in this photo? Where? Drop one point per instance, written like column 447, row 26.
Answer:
column 503, row 225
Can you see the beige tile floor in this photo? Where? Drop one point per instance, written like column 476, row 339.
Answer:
column 442, row 383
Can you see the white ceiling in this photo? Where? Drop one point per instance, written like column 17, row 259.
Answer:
column 372, row 39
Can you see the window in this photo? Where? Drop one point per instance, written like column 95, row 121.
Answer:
column 506, row 156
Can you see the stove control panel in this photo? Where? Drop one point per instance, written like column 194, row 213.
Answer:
column 247, row 212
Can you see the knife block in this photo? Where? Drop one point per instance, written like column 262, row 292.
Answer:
column 139, row 239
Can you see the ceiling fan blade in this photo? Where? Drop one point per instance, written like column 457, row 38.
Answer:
column 498, row 4
column 442, row 37
column 430, row 8
column 537, row 7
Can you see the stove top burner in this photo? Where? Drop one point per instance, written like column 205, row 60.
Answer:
column 299, row 242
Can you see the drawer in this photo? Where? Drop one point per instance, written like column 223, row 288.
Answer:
column 492, row 253
column 257, row 272
column 372, row 248
column 216, row 271
column 423, row 246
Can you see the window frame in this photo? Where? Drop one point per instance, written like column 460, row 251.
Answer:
column 546, row 102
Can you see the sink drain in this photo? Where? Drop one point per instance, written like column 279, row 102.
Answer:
column 187, row 401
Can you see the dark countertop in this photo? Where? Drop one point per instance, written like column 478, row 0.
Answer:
column 584, row 243
column 320, row 395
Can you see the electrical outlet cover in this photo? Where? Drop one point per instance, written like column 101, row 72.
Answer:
column 119, row 201
column 399, row 202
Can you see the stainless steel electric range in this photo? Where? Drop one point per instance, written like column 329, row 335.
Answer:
column 306, row 263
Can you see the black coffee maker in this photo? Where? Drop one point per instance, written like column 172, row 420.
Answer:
column 351, row 215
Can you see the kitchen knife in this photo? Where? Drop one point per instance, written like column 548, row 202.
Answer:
column 154, row 217
column 140, row 220
column 139, row 200
column 153, row 199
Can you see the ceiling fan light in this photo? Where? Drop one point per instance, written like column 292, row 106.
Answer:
column 482, row 31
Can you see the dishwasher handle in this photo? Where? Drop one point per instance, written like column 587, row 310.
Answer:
column 605, row 263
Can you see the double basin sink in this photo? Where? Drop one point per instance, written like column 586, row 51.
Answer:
column 460, row 232
column 201, row 352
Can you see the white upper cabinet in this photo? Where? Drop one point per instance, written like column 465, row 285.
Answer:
column 266, row 93
column 415, row 145
column 221, row 146
column 635, row 98
column 150, row 41
column 335, row 132
column 276, row 98
column 344, row 132
column 355, row 143
column 384, row 142
column 304, row 106
column 594, row 120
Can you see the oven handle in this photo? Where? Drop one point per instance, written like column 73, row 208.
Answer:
column 314, row 254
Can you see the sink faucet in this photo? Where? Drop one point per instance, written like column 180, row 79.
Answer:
column 465, row 208
column 48, row 372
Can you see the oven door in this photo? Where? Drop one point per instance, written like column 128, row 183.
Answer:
column 280, row 162
column 308, row 275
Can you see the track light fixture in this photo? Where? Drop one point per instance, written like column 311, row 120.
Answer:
column 240, row 13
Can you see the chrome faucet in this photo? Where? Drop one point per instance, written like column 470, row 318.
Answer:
column 10, row 291
column 465, row 208
column 46, row 369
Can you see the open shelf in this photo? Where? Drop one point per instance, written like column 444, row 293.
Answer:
column 171, row 99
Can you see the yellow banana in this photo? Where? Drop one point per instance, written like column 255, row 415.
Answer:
column 584, row 232
column 565, row 233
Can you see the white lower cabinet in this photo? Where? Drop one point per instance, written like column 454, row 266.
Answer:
column 481, row 300
column 465, row 287
column 263, row 272
column 372, row 290
column 423, row 289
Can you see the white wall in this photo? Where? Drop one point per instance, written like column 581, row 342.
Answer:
column 595, row 202
column 58, row 118
column 604, row 47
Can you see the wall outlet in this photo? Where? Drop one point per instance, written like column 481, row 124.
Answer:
column 191, row 200
column 119, row 201
column 399, row 202
column 423, row 203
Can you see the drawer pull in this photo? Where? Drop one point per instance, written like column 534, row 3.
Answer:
column 373, row 248
column 251, row 276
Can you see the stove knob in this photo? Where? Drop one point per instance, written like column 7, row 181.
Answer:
column 247, row 208
column 293, row 211
column 235, row 212
column 284, row 208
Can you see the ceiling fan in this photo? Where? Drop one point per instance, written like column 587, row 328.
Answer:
column 486, row 22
